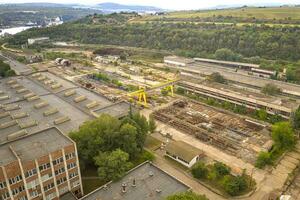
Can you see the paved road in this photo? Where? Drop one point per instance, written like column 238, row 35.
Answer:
column 19, row 68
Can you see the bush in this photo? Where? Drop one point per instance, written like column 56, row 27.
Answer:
column 217, row 77
column 270, row 89
column 180, row 90
column 199, row 170
column 263, row 159
column 221, row 169
column 235, row 185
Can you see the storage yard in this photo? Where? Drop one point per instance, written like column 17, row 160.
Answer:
column 243, row 138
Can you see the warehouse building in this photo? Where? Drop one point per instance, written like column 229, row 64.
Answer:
column 42, row 165
column 177, row 61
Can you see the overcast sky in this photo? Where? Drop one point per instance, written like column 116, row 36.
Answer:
column 167, row 4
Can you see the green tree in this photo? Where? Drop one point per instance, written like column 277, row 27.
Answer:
column 126, row 140
column 221, row 169
column 217, row 77
column 152, row 125
column 270, row 89
column 112, row 166
column 235, row 185
column 187, row 196
column 283, row 135
column 295, row 118
column 263, row 159
column 199, row 170
column 262, row 114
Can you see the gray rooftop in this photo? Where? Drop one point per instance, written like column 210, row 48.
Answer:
column 117, row 110
column 157, row 186
column 34, row 145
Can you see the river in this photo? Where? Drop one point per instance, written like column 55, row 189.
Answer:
column 14, row 30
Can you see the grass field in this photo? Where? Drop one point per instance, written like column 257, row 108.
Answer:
column 293, row 13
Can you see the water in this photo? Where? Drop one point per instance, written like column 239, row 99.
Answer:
column 15, row 30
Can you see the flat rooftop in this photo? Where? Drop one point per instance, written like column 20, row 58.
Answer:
column 178, row 59
column 41, row 100
column 34, row 145
column 152, row 183
column 226, row 62
column 117, row 110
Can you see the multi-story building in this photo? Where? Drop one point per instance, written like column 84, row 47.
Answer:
column 42, row 165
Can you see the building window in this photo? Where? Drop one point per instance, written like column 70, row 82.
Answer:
column 4, row 196
column 15, row 179
column 2, row 185
column 30, row 173
column 33, row 184
column 60, row 171
column 70, row 155
column 57, row 161
column 23, row 198
column 48, row 187
column 16, row 191
column 61, row 180
column 44, row 166
column 75, row 183
column 72, row 175
column 71, row 165
column 34, row 194
column 51, row 196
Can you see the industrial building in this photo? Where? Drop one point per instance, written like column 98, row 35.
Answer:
column 237, row 99
column 144, row 182
column 42, row 165
column 183, row 153
column 246, row 66
column 32, row 41
column 177, row 61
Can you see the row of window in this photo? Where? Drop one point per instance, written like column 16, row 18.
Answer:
column 15, row 179
column 30, row 173
column 44, row 166
column 48, row 187
column 58, row 160
column 4, row 196
column 73, row 174
column 2, row 185
column 61, row 180
column 16, row 191
column 60, row 171
column 70, row 155
column 71, row 165
column 34, row 194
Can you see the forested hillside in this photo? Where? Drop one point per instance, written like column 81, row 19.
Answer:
column 253, row 43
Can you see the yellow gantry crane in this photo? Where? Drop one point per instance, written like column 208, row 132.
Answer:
column 141, row 94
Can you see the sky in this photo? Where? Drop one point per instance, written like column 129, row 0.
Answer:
column 167, row 4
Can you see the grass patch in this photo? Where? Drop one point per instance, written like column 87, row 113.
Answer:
column 90, row 180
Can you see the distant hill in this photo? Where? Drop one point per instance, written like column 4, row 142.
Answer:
column 114, row 7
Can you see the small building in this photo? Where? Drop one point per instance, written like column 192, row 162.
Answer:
column 177, row 61
column 32, row 41
column 62, row 62
column 183, row 153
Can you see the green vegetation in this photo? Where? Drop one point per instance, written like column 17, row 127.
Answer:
column 5, row 70
column 270, row 89
column 295, row 119
column 217, row 77
column 219, row 176
column 283, row 140
column 187, row 196
column 112, row 165
column 110, row 143
column 245, row 15
column 273, row 47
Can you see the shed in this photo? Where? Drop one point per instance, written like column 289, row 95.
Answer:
column 183, row 153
